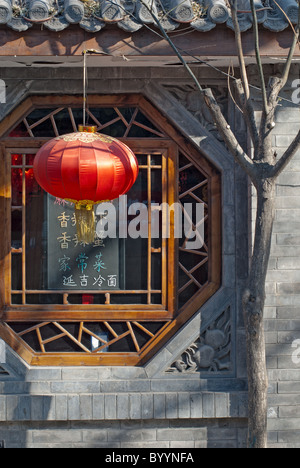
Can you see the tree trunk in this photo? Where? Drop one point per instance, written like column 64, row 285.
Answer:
column 253, row 308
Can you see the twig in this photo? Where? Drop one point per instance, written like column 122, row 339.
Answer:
column 248, row 107
column 291, row 52
column 258, row 58
column 238, row 40
column 287, row 156
column 224, row 128
column 230, row 92
column 172, row 45
column 288, row 19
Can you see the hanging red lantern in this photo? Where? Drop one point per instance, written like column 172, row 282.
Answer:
column 87, row 169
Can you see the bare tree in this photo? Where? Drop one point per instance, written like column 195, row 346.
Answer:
column 263, row 169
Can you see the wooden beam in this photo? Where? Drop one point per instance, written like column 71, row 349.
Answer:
column 116, row 42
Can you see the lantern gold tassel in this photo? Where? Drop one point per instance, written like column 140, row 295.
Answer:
column 85, row 222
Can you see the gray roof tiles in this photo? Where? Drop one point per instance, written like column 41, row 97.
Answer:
column 132, row 15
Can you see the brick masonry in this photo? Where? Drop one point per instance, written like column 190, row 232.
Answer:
column 150, row 434
column 283, row 292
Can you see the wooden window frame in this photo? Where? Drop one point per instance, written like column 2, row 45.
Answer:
column 27, row 312
column 173, row 318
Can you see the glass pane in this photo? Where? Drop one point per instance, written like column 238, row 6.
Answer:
column 16, row 299
column 156, row 160
column 35, row 238
column 78, row 117
column 139, row 132
column 136, row 249
column 142, row 119
column 19, row 132
column 128, row 299
column 16, row 159
column 127, row 113
column 187, row 294
column 156, row 271
column 16, row 229
column 44, row 299
column 55, row 260
column 63, row 122
column 16, row 187
column 86, row 299
column 156, row 299
column 38, row 114
column 104, row 115
column 16, row 272
column 43, row 130
column 116, row 129
column 30, row 159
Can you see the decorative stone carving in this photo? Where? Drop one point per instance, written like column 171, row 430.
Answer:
column 19, row 24
column 5, row 11
column 58, row 23
column 218, row 10
column 244, row 22
column 179, row 10
column 191, row 99
column 92, row 24
column 39, row 10
column 168, row 24
column 211, row 352
column 203, row 25
column 74, row 11
column 3, row 372
column 111, row 10
column 142, row 11
column 129, row 24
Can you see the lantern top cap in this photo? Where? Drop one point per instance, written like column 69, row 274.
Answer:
column 86, row 137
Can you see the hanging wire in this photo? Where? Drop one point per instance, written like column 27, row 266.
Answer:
column 85, row 54
column 196, row 59
column 84, row 86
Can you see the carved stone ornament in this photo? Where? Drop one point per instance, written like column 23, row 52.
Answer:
column 191, row 99
column 5, row 11
column 38, row 10
column 3, row 372
column 211, row 352
column 74, row 11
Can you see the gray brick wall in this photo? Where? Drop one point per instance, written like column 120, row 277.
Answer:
column 150, row 434
column 283, row 292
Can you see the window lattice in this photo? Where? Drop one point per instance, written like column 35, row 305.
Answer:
column 123, row 122
column 124, row 324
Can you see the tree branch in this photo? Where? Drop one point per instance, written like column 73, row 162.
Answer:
column 258, row 58
column 247, row 107
column 172, row 45
column 223, row 127
column 287, row 156
column 281, row 82
column 238, row 40
column 288, row 64
column 249, row 116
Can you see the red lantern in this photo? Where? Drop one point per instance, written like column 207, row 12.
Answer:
column 85, row 168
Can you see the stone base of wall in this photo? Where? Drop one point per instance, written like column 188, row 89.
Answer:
column 152, row 434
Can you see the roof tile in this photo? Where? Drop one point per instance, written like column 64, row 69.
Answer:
column 132, row 15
